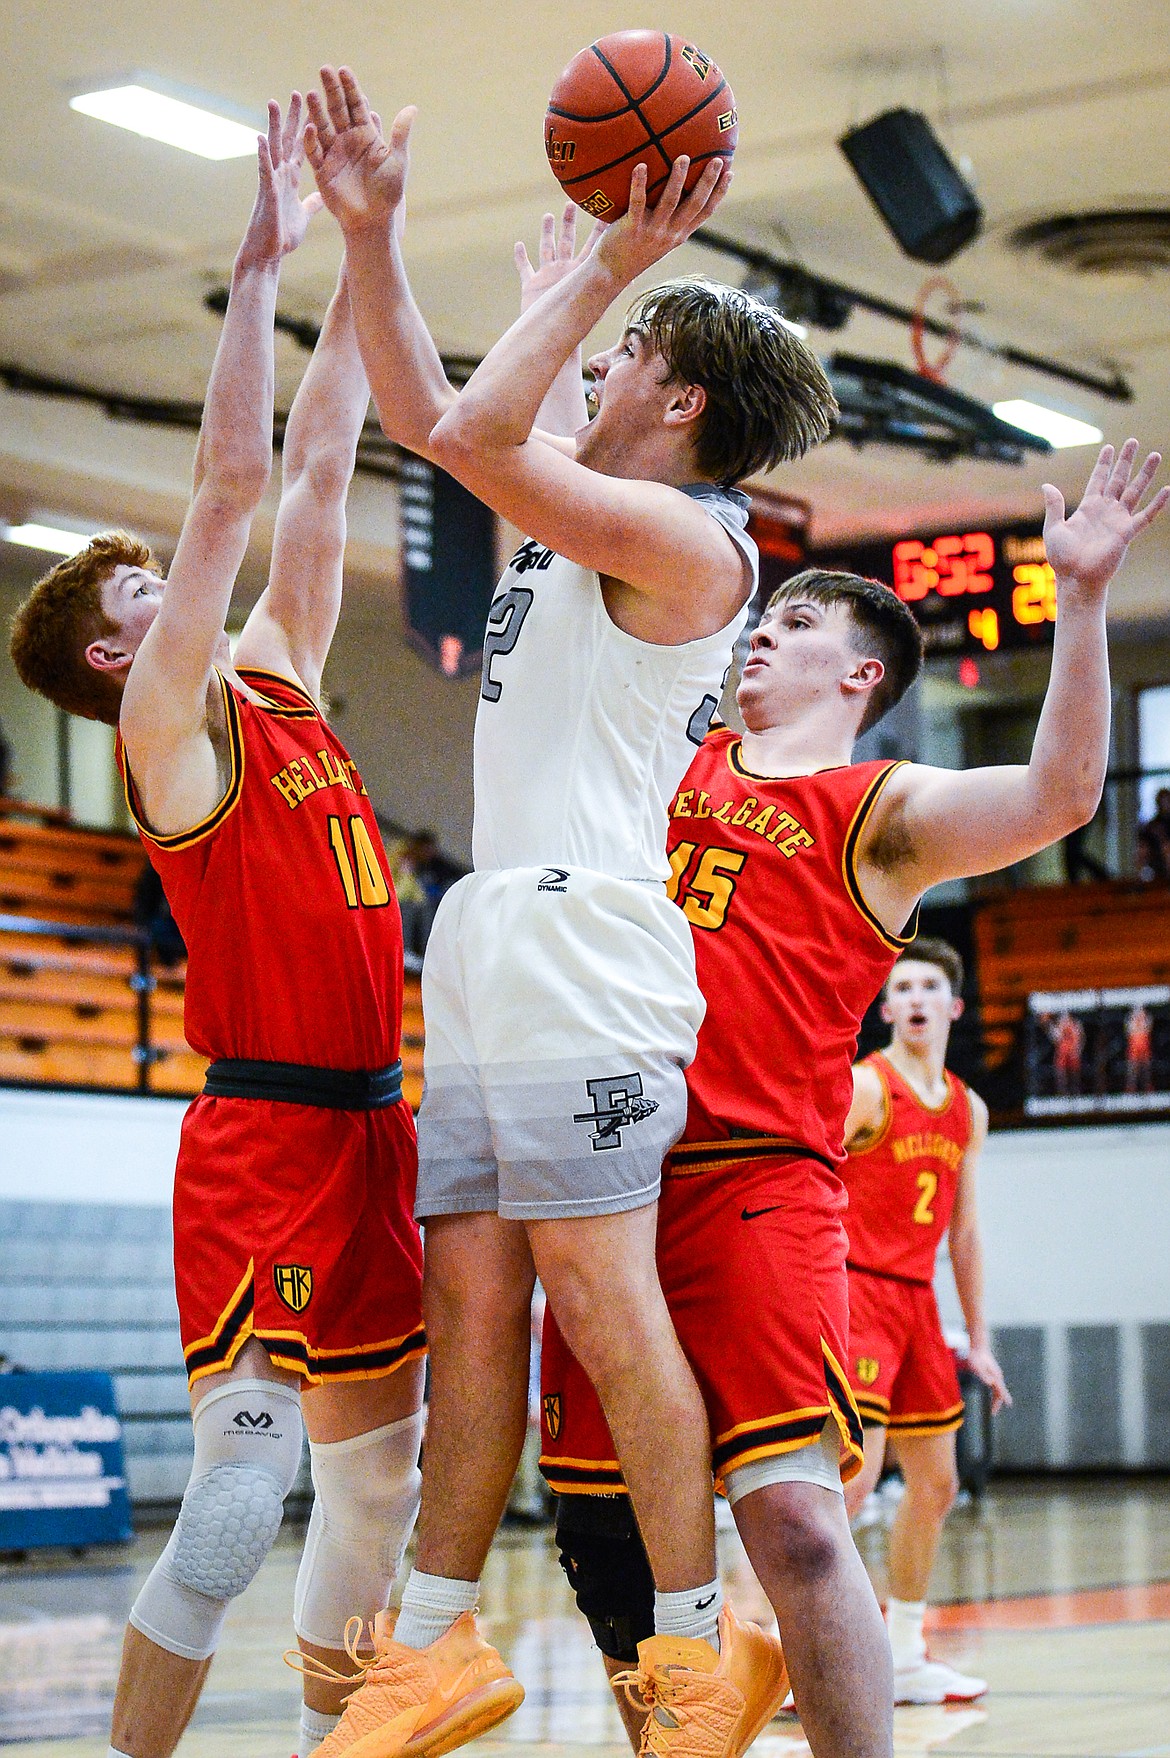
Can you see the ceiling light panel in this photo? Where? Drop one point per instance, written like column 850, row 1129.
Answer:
column 1059, row 430
column 52, row 539
column 157, row 116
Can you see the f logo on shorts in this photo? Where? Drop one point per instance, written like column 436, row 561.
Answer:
column 617, row 1103
column 294, row 1284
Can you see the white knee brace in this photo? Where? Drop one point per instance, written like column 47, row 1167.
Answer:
column 247, row 1451
column 366, row 1502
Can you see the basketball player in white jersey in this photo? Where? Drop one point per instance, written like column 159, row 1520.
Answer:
column 559, row 986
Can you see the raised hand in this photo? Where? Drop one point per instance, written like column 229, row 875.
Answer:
column 361, row 175
column 558, row 255
column 644, row 235
column 1089, row 545
column 280, row 216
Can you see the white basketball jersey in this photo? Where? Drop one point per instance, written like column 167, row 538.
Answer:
column 583, row 732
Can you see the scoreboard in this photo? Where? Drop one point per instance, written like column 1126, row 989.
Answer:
column 971, row 591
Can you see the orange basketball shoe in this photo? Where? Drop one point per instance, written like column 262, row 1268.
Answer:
column 702, row 1704
column 422, row 1702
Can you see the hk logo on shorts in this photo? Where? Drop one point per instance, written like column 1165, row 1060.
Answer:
column 867, row 1369
column 553, row 879
column 552, row 1414
column 617, row 1104
column 294, row 1284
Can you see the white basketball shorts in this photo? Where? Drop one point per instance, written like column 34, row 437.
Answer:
column 561, row 1010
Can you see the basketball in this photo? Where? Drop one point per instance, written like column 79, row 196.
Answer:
column 631, row 97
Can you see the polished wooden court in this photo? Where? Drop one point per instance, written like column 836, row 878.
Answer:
column 1057, row 1592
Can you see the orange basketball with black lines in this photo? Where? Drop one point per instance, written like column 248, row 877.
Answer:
column 630, row 98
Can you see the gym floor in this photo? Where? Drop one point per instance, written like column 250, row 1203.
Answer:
column 1057, row 1593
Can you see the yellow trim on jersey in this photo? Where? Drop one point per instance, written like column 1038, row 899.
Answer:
column 952, row 1081
column 896, row 942
column 231, row 799
column 311, row 711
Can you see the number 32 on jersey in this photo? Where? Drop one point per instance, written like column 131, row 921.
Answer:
column 707, row 893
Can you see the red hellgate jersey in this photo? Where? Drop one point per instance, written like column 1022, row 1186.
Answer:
column 902, row 1187
column 294, row 940
column 788, row 951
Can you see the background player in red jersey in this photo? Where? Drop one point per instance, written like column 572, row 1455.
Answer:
column 800, row 874
column 914, row 1135
column 297, row 1259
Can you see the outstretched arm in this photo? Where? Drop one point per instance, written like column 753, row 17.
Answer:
column 164, row 705
column 965, row 1244
column 362, row 179
column 291, row 628
column 643, row 534
column 935, row 824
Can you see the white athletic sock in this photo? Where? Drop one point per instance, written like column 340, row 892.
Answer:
column 430, row 1605
column 694, row 1612
column 315, row 1727
column 904, row 1620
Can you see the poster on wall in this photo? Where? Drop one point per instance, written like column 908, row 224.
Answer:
column 62, row 1478
column 1098, row 1052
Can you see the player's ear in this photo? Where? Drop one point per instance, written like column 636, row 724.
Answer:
column 107, row 656
column 958, row 1007
column 887, row 1016
column 867, row 674
column 687, row 404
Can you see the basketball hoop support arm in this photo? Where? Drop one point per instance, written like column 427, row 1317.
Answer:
column 792, row 275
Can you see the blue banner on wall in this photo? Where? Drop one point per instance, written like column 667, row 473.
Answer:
column 62, row 1479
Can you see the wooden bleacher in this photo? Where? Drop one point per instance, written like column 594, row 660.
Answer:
column 1105, row 936
column 70, row 1006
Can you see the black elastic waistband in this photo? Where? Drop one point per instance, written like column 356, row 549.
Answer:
column 336, row 1089
column 887, row 1275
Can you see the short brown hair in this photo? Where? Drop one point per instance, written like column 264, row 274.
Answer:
column 768, row 400
column 61, row 616
column 882, row 622
column 937, row 952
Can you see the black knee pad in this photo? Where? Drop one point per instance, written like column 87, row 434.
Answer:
column 602, row 1553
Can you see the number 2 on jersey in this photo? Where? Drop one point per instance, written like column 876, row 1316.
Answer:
column 927, row 1185
column 505, row 620
column 709, row 893
column 362, row 878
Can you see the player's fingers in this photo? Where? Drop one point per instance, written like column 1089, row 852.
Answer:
column 1053, row 504
column 290, row 141
column 275, row 132
column 716, row 176
column 313, row 151
column 312, row 204
column 355, row 97
column 264, row 159
column 1137, row 488
column 568, row 232
column 524, row 266
column 667, row 204
column 637, row 207
column 1101, row 469
column 336, row 102
column 322, row 128
column 400, row 128
column 1119, row 475
column 1150, row 513
column 548, row 238
column 600, row 228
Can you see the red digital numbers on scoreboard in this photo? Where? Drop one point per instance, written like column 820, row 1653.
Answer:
column 950, row 566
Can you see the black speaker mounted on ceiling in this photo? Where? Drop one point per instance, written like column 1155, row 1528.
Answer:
column 924, row 200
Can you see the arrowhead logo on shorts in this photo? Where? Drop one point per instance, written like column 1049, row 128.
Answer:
column 294, row 1284
column 867, row 1369
column 551, row 1404
column 617, row 1103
